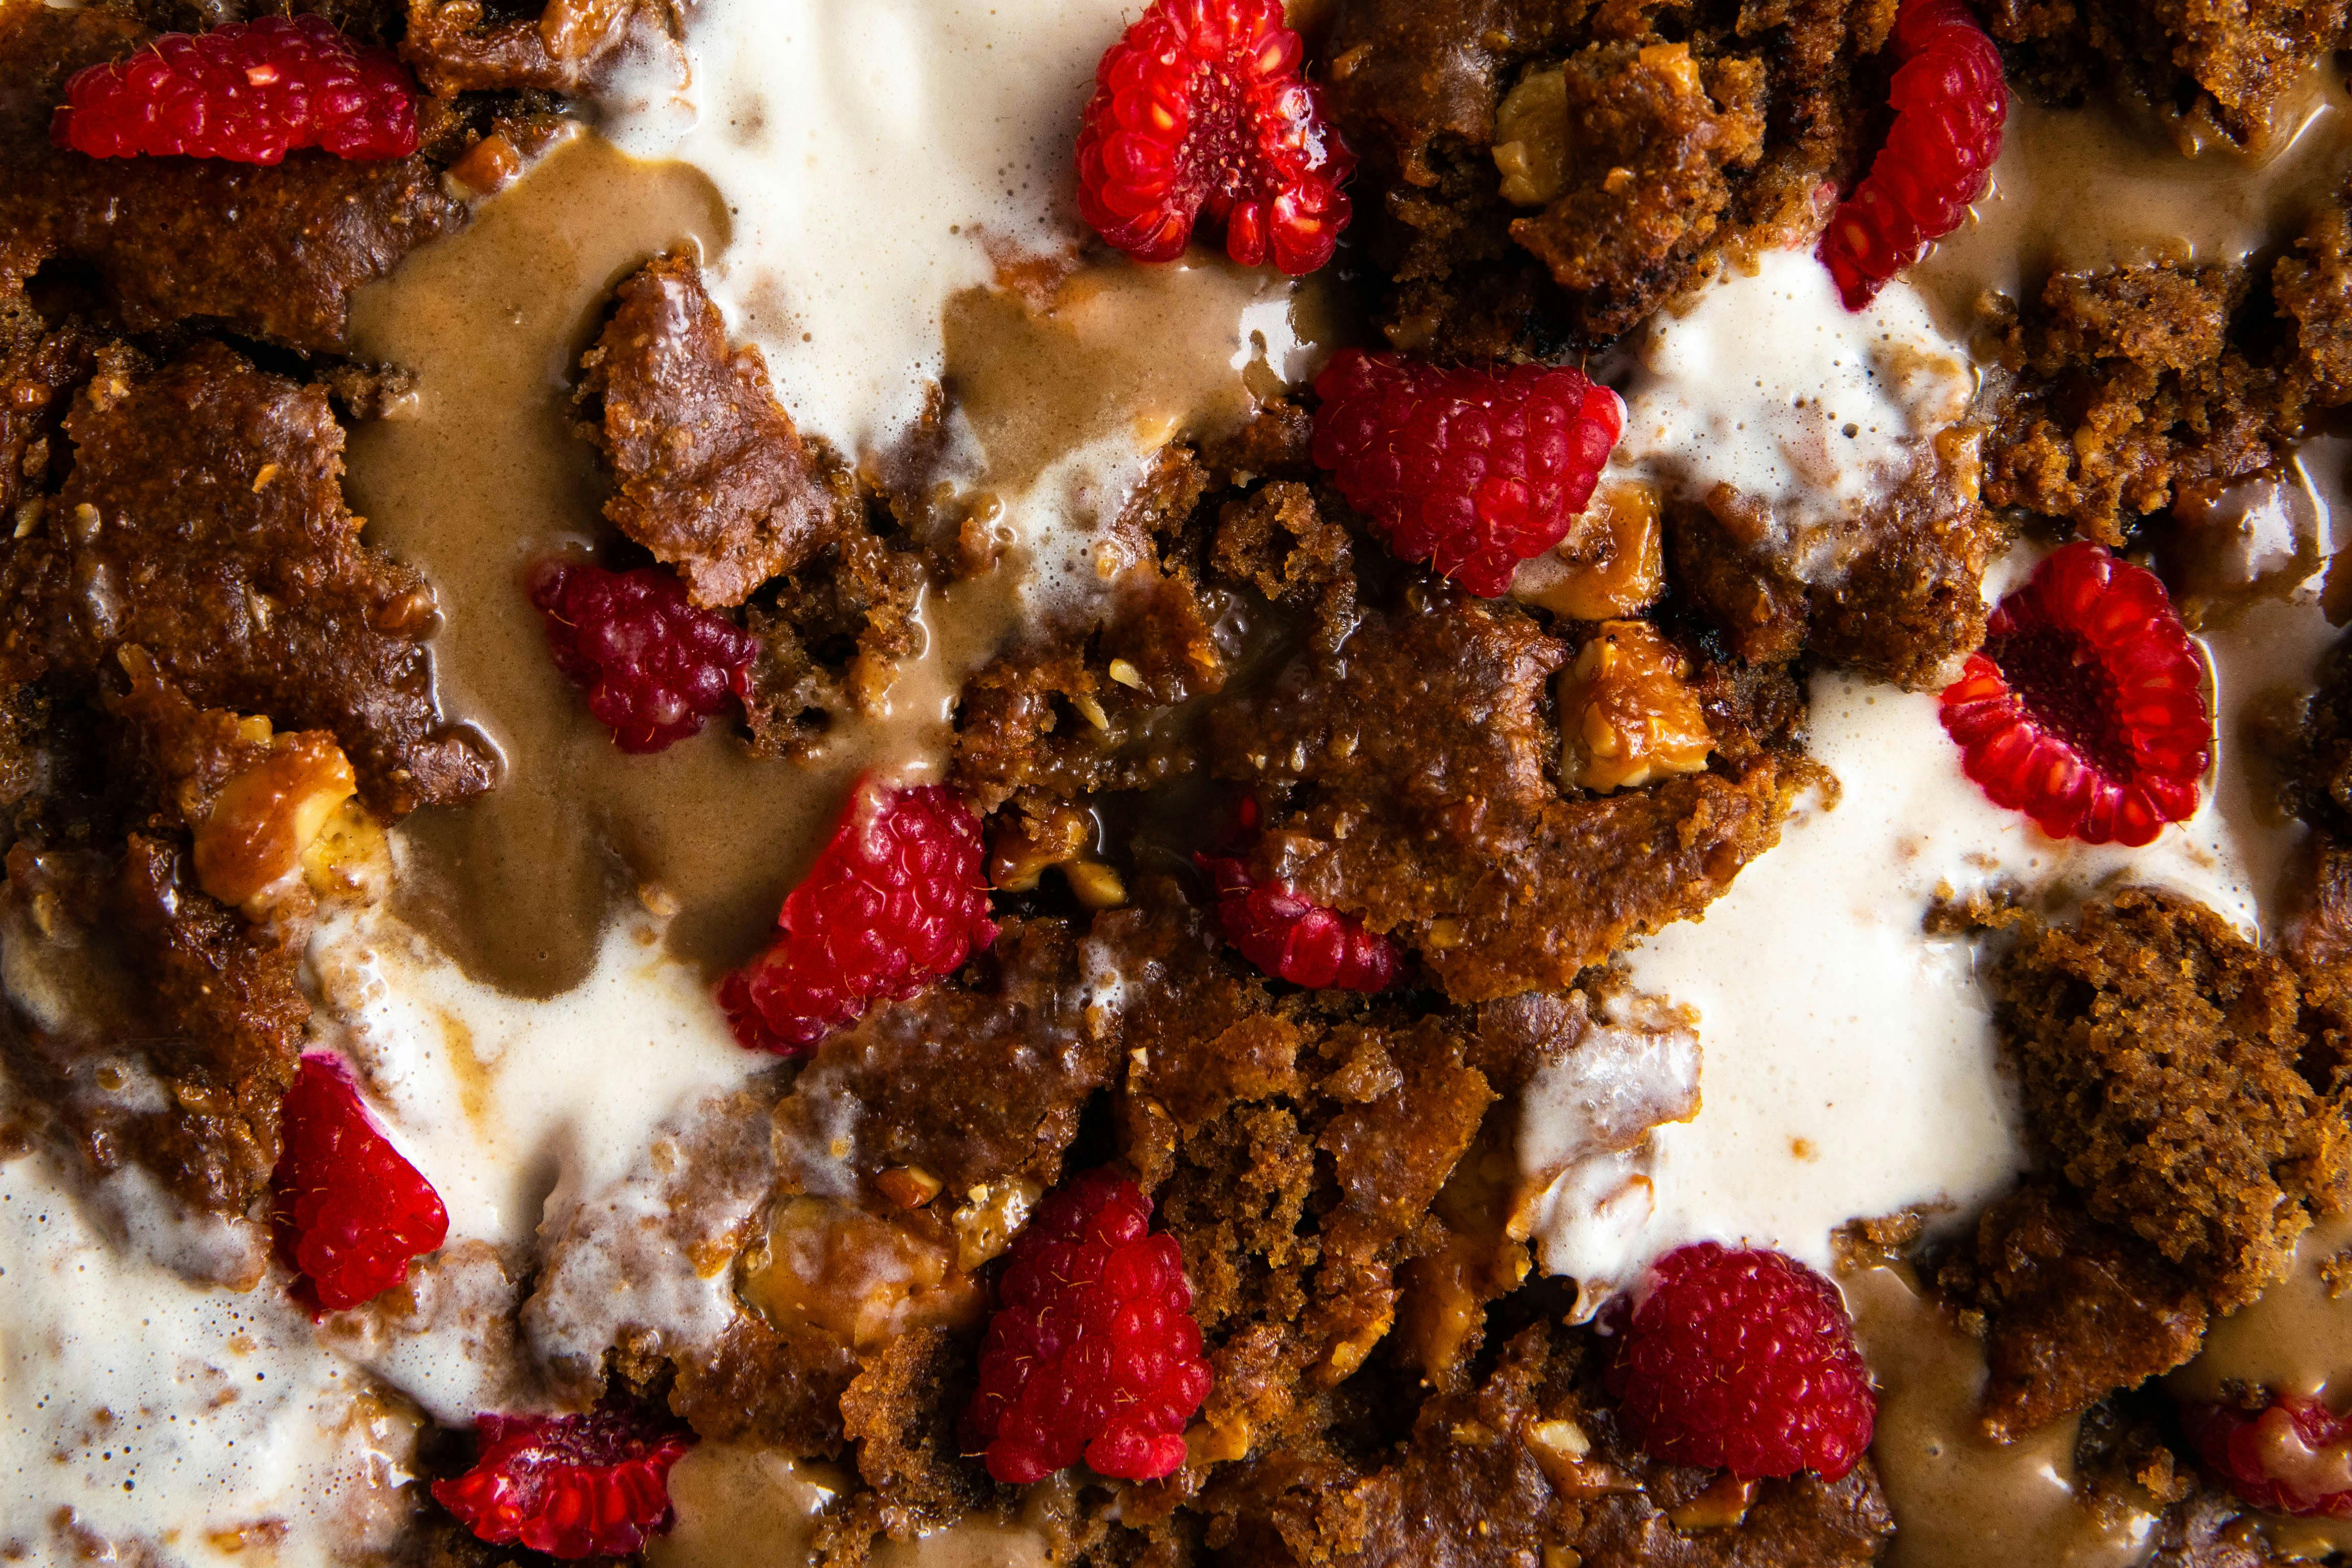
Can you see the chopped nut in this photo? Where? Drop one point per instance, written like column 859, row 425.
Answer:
column 1563, row 1439
column 1125, row 673
column 350, row 854
column 1626, row 718
column 1722, row 1505
column 265, row 817
column 1612, row 563
column 857, row 1275
column 908, row 1186
column 992, row 1215
column 262, row 480
column 1563, row 1557
column 1531, row 139
column 1018, row 855
column 1094, row 885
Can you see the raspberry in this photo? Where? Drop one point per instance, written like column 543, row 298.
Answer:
column 1743, row 1360
column 2290, row 1457
column 1202, row 108
column 1950, row 105
column 1470, row 470
column 350, row 1212
column 249, row 91
column 896, row 900
column 654, row 666
column 1302, row 943
column 570, row 1486
column 2085, row 709
column 1093, row 1352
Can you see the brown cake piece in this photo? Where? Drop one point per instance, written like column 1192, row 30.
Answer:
column 2237, row 66
column 2162, row 1059
column 2130, row 384
column 202, row 522
column 2312, row 285
column 459, row 46
column 2072, row 1310
column 158, row 1028
column 1450, row 831
column 41, row 363
column 831, row 638
column 1538, row 178
column 1909, row 600
column 711, row 476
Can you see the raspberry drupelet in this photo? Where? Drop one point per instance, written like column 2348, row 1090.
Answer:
column 896, row 900
column 1743, row 1360
column 1304, row 943
column 570, row 1486
column 2293, row 1455
column 247, row 91
column 2085, row 709
column 1202, row 109
column 1472, row 471
column 1093, row 1352
column 1950, row 104
column 654, row 666
column 350, row 1212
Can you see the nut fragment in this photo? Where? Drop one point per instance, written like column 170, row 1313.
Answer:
column 1626, row 717
column 857, row 1275
column 1721, row 1506
column 1094, row 885
column 992, row 1215
column 266, row 817
column 1531, row 139
column 1612, row 563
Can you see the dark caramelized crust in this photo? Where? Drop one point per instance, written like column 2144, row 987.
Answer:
column 272, row 253
column 831, row 637
column 128, row 988
column 711, row 476
column 973, row 1085
column 1445, row 827
column 39, row 367
column 204, row 523
column 2162, row 1058
column 2072, row 1310
column 454, row 45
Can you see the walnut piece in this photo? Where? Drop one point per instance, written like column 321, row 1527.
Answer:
column 1627, row 716
column 266, row 816
column 1612, row 563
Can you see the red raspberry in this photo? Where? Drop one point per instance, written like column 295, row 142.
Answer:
column 1202, row 108
column 1470, row 470
column 2290, row 1457
column 1950, row 105
column 2085, row 710
column 250, row 91
column 654, row 666
column 350, row 1212
column 1093, row 1351
column 570, row 1486
column 1304, row 943
column 896, row 900
column 1743, row 1360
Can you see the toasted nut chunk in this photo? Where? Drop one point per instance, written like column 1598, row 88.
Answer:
column 992, row 1215
column 1611, row 565
column 857, row 1275
column 1626, row 718
column 1531, row 139
column 1019, row 855
column 1721, row 1506
column 266, row 817
column 1094, row 885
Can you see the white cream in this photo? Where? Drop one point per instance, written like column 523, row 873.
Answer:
column 1848, row 1065
column 1768, row 383
column 165, row 1414
column 502, row 1100
column 870, row 152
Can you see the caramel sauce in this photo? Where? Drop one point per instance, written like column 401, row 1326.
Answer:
column 1959, row 1498
column 482, row 475
column 2104, row 185
column 725, row 1498
column 1044, row 368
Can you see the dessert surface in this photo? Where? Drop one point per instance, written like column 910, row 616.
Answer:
column 1468, row 782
